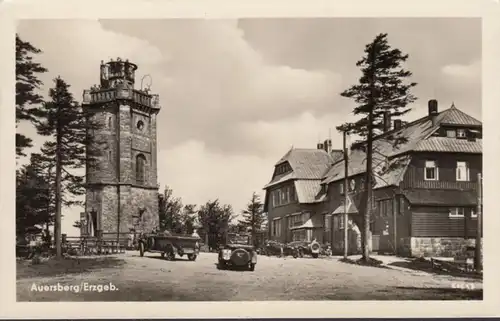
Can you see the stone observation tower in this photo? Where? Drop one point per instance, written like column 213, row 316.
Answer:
column 122, row 185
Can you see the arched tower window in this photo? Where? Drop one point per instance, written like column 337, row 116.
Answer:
column 110, row 122
column 140, row 169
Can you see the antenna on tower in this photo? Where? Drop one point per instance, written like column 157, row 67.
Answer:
column 330, row 133
column 148, row 85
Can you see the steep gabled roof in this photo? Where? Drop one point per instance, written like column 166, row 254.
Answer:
column 306, row 164
column 418, row 137
column 308, row 190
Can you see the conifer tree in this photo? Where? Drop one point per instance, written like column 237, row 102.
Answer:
column 34, row 197
column 68, row 126
column 383, row 88
column 27, row 84
column 254, row 216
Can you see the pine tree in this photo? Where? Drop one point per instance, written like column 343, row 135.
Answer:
column 253, row 216
column 382, row 89
column 27, row 82
column 34, row 201
column 69, row 126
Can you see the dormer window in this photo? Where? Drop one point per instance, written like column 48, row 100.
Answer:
column 341, row 188
column 451, row 133
column 461, row 133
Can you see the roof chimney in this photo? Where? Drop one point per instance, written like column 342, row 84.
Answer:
column 397, row 124
column 433, row 110
column 387, row 121
column 327, row 145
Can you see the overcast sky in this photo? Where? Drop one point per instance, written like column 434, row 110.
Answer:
column 237, row 94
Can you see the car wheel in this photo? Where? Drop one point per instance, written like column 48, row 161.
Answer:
column 192, row 257
column 221, row 265
column 170, row 256
column 252, row 267
column 141, row 249
column 315, row 255
column 163, row 254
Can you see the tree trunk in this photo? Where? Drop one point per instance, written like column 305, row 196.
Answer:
column 58, row 196
column 369, row 170
column 369, row 191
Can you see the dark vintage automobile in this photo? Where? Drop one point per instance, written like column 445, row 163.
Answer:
column 237, row 252
column 301, row 248
column 274, row 248
column 169, row 245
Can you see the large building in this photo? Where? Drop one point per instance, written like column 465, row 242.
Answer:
column 122, row 187
column 424, row 189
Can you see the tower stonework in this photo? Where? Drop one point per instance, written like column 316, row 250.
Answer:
column 122, row 184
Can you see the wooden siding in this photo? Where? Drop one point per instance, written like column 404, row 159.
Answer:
column 446, row 162
column 435, row 222
column 282, row 212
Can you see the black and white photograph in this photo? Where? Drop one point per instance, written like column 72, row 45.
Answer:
column 249, row 159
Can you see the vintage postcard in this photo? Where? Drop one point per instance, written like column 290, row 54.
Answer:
column 217, row 159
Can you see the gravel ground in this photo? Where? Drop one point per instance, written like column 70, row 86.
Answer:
column 151, row 278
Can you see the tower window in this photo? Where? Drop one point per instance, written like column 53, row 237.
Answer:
column 140, row 169
column 140, row 125
column 110, row 122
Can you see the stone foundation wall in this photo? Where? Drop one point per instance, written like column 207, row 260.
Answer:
column 439, row 246
column 404, row 246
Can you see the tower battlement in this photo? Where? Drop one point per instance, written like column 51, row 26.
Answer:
column 117, row 80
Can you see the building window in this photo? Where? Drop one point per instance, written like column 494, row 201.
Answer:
column 140, row 125
column 353, row 184
column 341, row 188
column 140, row 169
column 109, row 155
column 110, row 122
column 473, row 213
column 328, row 222
column 401, row 205
column 341, row 222
column 276, row 228
column 462, row 171
column 457, row 212
column 431, row 171
column 292, row 194
column 299, row 235
column 451, row 133
column 461, row 133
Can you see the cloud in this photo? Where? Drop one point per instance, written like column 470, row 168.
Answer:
column 198, row 175
column 469, row 73
column 215, row 80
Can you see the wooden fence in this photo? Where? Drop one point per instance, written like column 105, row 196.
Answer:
column 106, row 243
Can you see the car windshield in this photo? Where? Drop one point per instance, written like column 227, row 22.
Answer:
column 238, row 239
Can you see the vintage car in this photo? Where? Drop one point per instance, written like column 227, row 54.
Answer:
column 274, row 248
column 302, row 248
column 237, row 252
column 169, row 245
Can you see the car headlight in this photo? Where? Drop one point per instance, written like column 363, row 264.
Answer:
column 226, row 254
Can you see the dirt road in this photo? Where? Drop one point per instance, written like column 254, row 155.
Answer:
column 128, row 277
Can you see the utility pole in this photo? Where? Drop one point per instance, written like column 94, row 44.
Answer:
column 346, row 188
column 478, row 262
